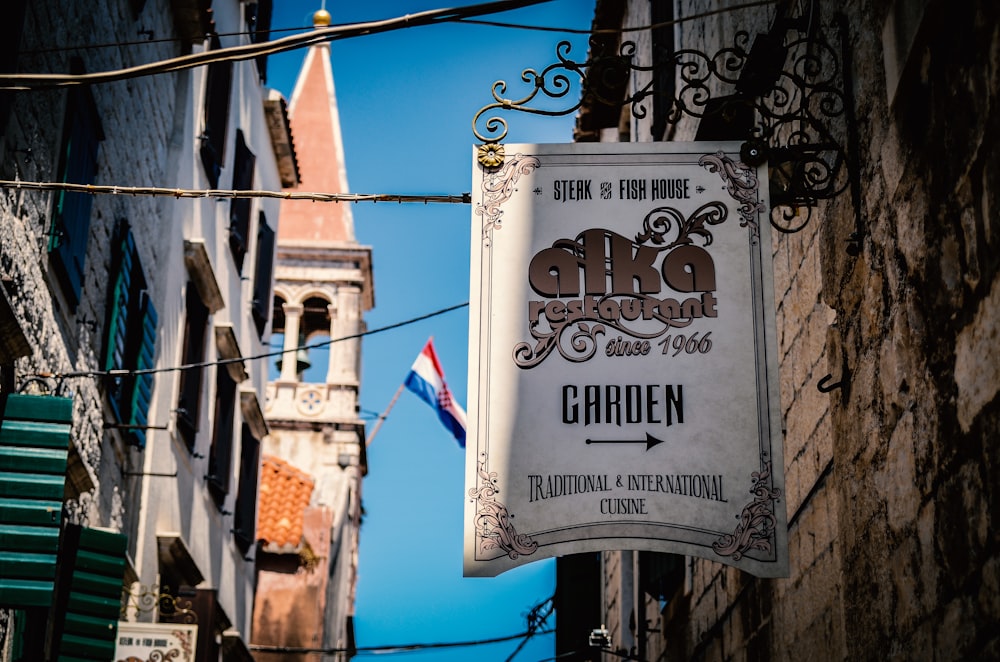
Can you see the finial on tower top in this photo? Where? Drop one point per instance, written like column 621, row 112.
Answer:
column 321, row 18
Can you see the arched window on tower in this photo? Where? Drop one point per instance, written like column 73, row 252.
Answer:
column 277, row 341
column 314, row 331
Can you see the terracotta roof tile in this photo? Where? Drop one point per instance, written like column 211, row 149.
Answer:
column 284, row 495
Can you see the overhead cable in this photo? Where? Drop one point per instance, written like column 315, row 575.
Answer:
column 495, row 24
column 157, row 191
column 250, row 51
column 152, row 40
column 263, row 648
column 536, row 619
column 638, row 28
column 256, row 357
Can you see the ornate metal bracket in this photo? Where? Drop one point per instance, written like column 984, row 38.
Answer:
column 146, row 599
column 782, row 94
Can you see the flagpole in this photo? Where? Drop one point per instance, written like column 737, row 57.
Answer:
column 382, row 417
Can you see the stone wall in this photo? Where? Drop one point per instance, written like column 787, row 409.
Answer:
column 136, row 118
column 891, row 480
column 916, row 467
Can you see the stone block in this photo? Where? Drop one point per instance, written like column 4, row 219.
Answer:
column 810, row 407
column 897, row 478
column 978, row 380
column 953, row 639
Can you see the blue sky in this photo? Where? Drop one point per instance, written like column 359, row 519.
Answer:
column 406, row 102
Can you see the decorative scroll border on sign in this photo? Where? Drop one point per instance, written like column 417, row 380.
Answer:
column 757, row 521
column 492, row 520
column 742, row 184
column 498, row 187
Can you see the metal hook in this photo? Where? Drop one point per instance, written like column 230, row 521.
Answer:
column 826, row 388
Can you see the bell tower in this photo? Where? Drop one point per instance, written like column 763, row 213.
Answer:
column 323, row 286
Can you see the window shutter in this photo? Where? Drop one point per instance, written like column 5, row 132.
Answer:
column 88, row 595
column 218, row 86
column 189, row 398
column 71, row 221
column 261, row 306
column 220, row 454
column 130, row 342
column 119, row 303
column 245, row 516
column 142, row 394
column 34, row 444
column 239, row 208
column 261, row 33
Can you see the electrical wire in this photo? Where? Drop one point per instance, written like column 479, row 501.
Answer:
column 156, row 191
column 405, row 648
column 332, row 33
column 639, row 28
column 256, row 357
column 162, row 40
column 536, row 619
column 496, row 24
column 250, row 51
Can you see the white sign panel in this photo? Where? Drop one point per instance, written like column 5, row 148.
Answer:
column 623, row 387
column 156, row 642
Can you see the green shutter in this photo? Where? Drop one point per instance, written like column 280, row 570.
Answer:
column 130, row 343
column 71, row 223
column 118, row 323
column 34, row 444
column 143, row 393
column 88, row 603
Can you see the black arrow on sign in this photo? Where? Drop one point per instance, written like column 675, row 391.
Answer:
column 650, row 441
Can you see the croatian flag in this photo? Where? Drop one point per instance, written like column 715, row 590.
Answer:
column 426, row 379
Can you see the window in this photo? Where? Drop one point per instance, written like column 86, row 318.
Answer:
column 130, row 343
column 70, row 227
column 258, row 19
column 239, row 209
column 220, row 454
column 218, row 85
column 245, row 516
column 261, row 304
column 189, row 398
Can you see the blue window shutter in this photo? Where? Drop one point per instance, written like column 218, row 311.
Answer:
column 71, row 222
column 130, row 342
column 120, row 302
column 143, row 393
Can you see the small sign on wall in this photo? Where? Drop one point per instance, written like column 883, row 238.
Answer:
column 623, row 383
column 156, row 642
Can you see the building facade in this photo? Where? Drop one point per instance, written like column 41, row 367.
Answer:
column 888, row 300
column 111, row 293
column 315, row 458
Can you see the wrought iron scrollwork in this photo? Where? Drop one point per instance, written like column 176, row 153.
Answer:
column 789, row 82
column 146, row 599
column 554, row 82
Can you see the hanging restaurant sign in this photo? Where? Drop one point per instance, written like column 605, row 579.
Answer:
column 623, row 384
column 156, row 642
